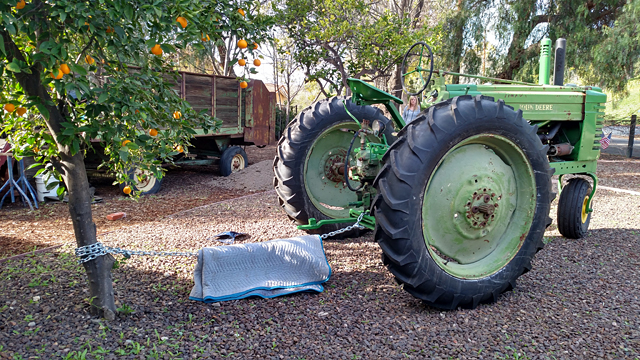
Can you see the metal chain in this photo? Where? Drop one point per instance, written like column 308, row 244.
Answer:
column 90, row 252
column 348, row 228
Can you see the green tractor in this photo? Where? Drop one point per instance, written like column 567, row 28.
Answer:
column 459, row 198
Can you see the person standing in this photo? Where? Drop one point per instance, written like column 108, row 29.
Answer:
column 412, row 110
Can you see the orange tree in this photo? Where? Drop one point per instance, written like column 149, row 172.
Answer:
column 67, row 79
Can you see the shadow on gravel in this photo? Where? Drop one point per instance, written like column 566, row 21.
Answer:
column 581, row 300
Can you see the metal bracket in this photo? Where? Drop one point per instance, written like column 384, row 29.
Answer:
column 367, row 221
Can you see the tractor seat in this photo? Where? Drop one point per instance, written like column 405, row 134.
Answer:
column 366, row 93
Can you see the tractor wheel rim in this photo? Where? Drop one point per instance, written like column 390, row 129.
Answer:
column 585, row 213
column 478, row 206
column 237, row 163
column 323, row 183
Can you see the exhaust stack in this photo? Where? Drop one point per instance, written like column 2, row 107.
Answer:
column 558, row 66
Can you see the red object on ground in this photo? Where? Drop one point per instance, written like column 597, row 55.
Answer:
column 116, row 216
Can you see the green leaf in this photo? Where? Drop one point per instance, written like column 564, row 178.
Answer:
column 75, row 146
column 2, row 48
column 128, row 12
column 43, row 110
column 103, row 97
column 10, row 28
column 124, row 154
column 63, row 16
column 13, row 67
column 132, row 146
column 69, row 131
column 144, row 137
column 78, row 69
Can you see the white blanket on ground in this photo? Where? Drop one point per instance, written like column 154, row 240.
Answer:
column 266, row 269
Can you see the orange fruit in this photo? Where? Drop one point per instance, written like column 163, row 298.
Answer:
column 241, row 12
column 255, row 46
column 177, row 115
column 9, row 107
column 153, row 132
column 256, row 62
column 89, row 59
column 242, row 62
column 127, row 190
column 242, row 44
column 137, row 111
column 20, row 5
column 243, row 84
column 182, row 21
column 124, row 143
column 110, row 29
column 180, row 149
column 21, row 111
column 156, row 50
column 65, row 69
column 57, row 77
column 36, row 150
column 205, row 38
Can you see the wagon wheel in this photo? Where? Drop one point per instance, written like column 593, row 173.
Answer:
column 463, row 202
column 417, row 68
column 143, row 181
column 233, row 159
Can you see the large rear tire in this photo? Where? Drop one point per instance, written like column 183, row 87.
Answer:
column 463, row 202
column 306, row 164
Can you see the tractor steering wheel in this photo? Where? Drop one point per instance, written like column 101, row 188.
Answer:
column 413, row 68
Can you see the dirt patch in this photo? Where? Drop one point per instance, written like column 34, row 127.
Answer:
column 182, row 188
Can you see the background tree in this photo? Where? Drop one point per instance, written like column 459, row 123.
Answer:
column 334, row 40
column 600, row 37
column 66, row 79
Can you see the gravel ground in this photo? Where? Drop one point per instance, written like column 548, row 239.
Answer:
column 579, row 301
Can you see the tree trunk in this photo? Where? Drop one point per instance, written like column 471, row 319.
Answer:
column 396, row 84
column 75, row 178
column 99, row 269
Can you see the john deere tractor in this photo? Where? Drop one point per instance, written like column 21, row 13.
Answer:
column 459, row 198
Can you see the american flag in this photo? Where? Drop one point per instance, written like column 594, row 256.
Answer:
column 604, row 142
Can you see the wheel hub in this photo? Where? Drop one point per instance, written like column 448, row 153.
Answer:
column 237, row 163
column 481, row 208
column 334, row 165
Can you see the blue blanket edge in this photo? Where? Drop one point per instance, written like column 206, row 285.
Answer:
column 246, row 294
